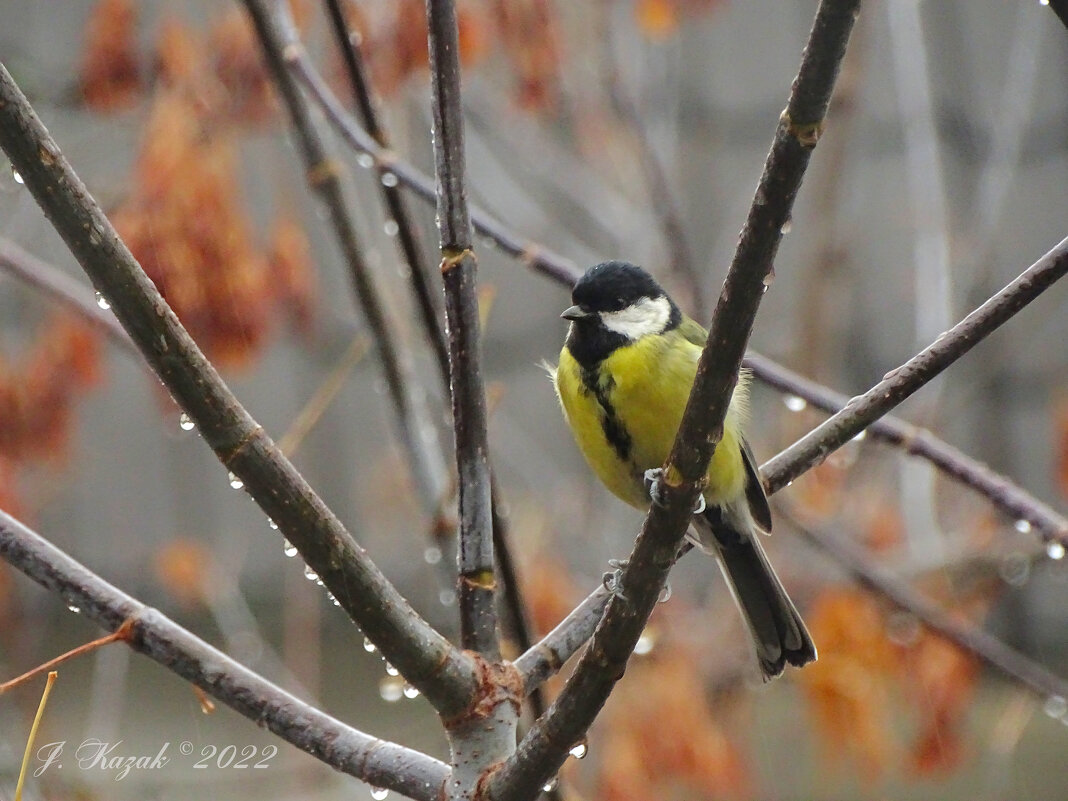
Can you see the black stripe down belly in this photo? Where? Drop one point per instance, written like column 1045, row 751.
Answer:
column 600, row 385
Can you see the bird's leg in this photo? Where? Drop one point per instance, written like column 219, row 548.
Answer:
column 652, row 485
column 613, row 580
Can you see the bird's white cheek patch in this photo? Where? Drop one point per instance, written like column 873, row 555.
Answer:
column 647, row 316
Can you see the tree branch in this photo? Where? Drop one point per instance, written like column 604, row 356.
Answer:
column 902, row 381
column 998, row 488
column 1060, row 8
column 377, row 762
column 970, row 638
column 478, row 618
column 547, row 656
column 322, row 171
column 58, row 285
column 1001, row 491
column 657, row 187
column 427, row 660
column 407, row 236
column 536, row 256
column 546, row 745
column 349, row 45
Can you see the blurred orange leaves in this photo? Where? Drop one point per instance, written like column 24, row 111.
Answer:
column 551, row 591
column 1060, row 424
column 37, row 397
column 528, row 31
column 111, row 75
column 394, row 43
column 182, row 568
column 37, row 394
column 848, row 688
column 239, row 67
column 659, row 19
column 856, row 688
column 660, row 737
column 185, row 219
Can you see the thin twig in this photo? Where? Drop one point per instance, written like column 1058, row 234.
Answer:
column 478, row 618
column 323, row 173
column 547, row 656
column 536, row 256
column 33, row 734
column 545, row 659
column 56, row 284
column 929, row 230
column 378, row 762
column 442, row 673
column 1017, row 502
column 324, row 395
column 818, row 341
column 517, row 615
column 998, row 489
column 407, row 236
column 902, row 381
column 546, row 745
column 1014, row 109
column 350, row 49
column 970, row 638
column 121, row 633
column 661, row 198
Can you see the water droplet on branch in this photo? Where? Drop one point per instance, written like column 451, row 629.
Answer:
column 391, row 689
column 645, row 643
column 1015, row 569
column 1056, row 707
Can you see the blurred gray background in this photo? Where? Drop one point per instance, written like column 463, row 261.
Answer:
column 945, row 178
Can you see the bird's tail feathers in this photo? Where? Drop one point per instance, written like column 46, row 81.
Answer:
column 779, row 634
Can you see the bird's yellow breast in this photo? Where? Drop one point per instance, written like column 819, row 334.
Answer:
column 625, row 412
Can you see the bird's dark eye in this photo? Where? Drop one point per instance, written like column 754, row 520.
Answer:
column 618, row 304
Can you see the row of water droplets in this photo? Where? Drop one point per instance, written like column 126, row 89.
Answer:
column 1016, row 567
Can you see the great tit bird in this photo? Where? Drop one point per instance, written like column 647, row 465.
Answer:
column 624, row 377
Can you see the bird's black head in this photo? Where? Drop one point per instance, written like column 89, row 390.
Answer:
column 614, row 285
column 616, row 303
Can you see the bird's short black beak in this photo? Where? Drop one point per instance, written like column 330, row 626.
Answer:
column 576, row 313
